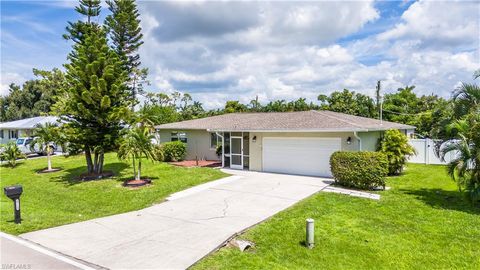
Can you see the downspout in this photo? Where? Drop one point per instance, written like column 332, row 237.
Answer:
column 359, row 140
column 223, row 148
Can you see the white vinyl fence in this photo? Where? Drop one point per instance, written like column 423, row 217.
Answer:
column 426, row 152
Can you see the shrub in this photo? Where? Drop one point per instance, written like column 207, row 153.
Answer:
column 10, row 152
column 174, row 151
column 364, row 170
column 158, row 154
column 395, row 146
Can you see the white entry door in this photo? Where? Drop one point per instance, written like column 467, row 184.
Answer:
column 236, row 152
column 304, row 156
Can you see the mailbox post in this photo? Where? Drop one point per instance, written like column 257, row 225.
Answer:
column 14, row 192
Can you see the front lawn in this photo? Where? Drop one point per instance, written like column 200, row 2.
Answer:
column 421, row 223
column 57, row 198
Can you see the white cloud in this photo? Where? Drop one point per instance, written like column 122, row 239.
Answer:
column 439, row 24
column 220, row 51
column 7, row 78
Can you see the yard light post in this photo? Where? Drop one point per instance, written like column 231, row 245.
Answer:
column 310, row 233
column 14, row 193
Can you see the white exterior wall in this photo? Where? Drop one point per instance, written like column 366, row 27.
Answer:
column 198, row 143
column 21, row 133
column 369, row 140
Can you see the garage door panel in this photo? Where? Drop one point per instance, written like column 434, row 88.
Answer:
column 307, row 156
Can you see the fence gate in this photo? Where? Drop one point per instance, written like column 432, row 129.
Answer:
column 426, row 152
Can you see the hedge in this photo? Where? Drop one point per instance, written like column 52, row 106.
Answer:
column 174, row 151
column 364, row 170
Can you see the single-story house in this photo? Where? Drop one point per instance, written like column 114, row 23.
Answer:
column 10, row 131
column 283, row 142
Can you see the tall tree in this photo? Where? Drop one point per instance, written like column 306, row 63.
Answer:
column 95, row 102
column 348, row 102
column 33, row 98
column 233, row 106
column 126, row 36
column 401, row 106
column 76, row 31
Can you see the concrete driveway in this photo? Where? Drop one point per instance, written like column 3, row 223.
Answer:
column 179, row 232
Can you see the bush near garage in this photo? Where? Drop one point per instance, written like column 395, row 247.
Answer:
column 363, row 170
column 394, row 144
column 174, row 151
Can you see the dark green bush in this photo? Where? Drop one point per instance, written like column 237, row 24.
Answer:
column 174, row 151
column 364, row 170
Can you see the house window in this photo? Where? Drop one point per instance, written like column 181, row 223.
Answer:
column 213, row 140
column 13, row 134
column 179, row 136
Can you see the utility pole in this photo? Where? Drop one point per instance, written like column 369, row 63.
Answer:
column 379, row 102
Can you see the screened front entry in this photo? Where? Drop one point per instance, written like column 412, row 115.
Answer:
column 236, row 150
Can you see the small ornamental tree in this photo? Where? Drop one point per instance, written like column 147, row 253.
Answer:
column 395, row 146
column 465, row 167
column 10, row 152
column 45, row 136
column 135, row 145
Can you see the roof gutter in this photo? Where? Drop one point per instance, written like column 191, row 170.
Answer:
column 288, row 130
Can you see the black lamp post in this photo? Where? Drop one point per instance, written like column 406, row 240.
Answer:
column 14, row 192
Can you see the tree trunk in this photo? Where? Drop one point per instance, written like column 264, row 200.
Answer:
column 88, row 157
column 95, row 163
column 100, row 162
column 134, row 166
column 139, row 169
column 49, row 161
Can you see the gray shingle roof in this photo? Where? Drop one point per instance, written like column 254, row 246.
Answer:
column 285, row 121
column 29, row 123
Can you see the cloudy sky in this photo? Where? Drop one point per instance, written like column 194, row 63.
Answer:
column 222, row 50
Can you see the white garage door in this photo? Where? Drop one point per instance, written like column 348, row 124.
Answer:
column 306, row 156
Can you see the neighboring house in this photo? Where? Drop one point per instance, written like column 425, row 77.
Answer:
column 10, row 131
column 287, row 142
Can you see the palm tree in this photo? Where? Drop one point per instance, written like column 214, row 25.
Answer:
column 45, row 136
column 466, row 99
column 465, row 167
column 10, row 152
column 135, row 145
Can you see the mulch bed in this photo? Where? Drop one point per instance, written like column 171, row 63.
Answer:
column 137, row 183
column 94, row 176
column 201, row 163
column 49, row 171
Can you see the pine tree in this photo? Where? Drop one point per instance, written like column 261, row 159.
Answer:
column 95, row 101
column 126, row 36
column 77, row 30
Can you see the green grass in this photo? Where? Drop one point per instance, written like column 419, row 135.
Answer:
column 423, row 222
column 56, row 198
